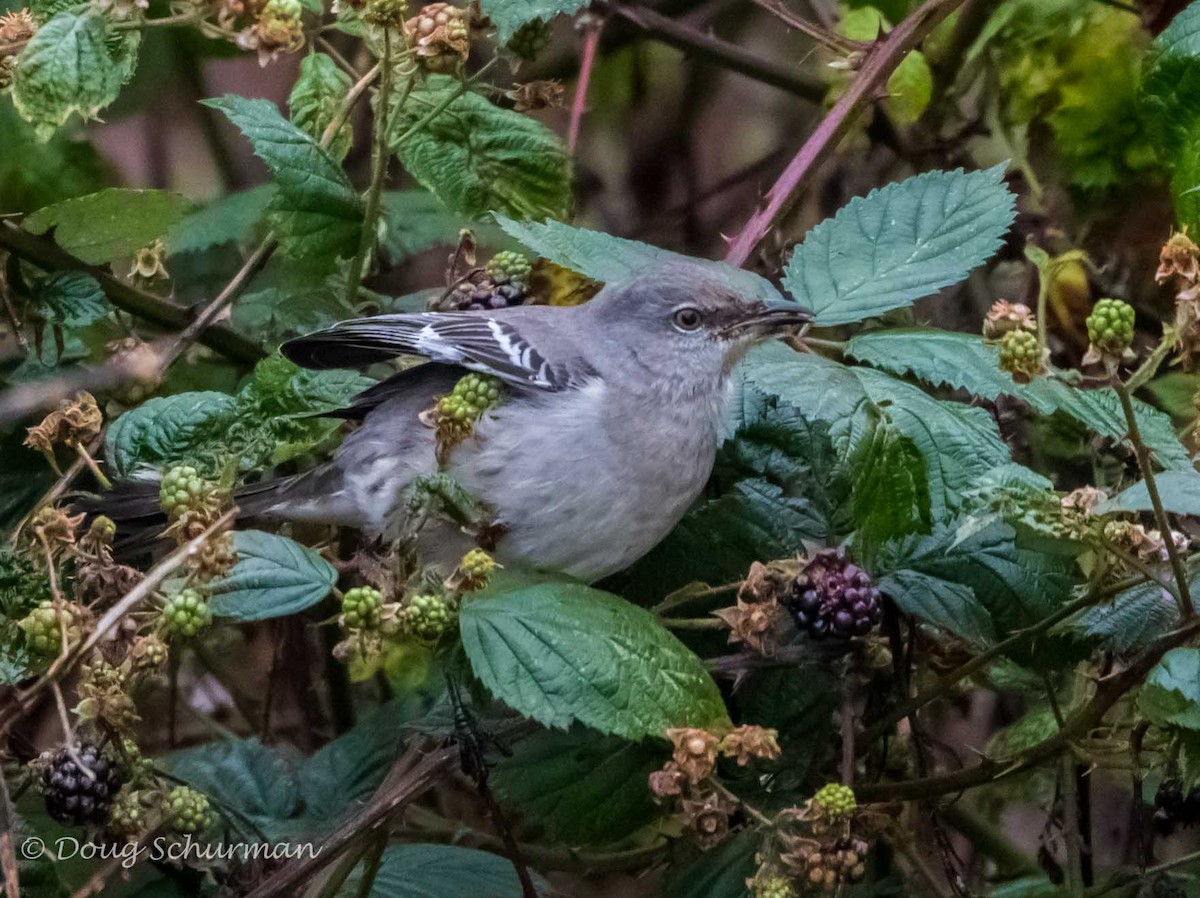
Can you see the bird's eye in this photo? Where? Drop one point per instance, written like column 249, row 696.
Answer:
column 688, row 318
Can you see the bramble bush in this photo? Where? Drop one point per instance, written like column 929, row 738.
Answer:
column 931, row 627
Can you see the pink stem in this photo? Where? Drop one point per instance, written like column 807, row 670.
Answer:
column 591, row 40
column 880, row 62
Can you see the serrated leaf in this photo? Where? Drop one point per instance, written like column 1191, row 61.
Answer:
column 317, row 98
column 1178, row 490
column 274, row 576
column 891, row 496
column 966, row 362
column 71, row 298
column 316, row 211
column 561, row 652
column 1171, row 694
column 231, row 218
column 900, row 243
column 447, row 871
column 1133, row 619
column 951, row 606
column 70, row 67
column 509, row 15
column 414, row 221
column 166, row 429
column 477, row 157
column 276, row 313
column 614, row 259
column 111, row 224
column 578, row 786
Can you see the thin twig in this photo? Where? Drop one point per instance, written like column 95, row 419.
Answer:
column 881, row 60
column 1142, row 451
column 591, row 40
column 8, row 854
column 352, row 98
column 824, row 36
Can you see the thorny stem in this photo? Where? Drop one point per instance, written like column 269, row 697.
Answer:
column 591, row 40
column 759, row 817
column 693, row 623
column 685, row 597
column 1150, row 366
column 352, row 98
column 379, row 163
column 1142, row 451
column 831, row 40
column 880, row 62
column 92, row 466
column 371, row 865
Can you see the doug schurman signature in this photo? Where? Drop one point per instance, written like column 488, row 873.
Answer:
column 164, row 848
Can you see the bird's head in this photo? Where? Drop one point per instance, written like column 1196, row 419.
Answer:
column 692, row 316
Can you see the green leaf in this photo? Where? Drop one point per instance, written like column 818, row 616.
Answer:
column 274, row 576
column 317, row 98
column 447, row 871
column 951, row 606
column 316, row 211
column 34, row 174
column 966, row 362
column 606, row 258
column 720, row 873
column 71, row 298
column 415, row 220
column 899, row 243
column 1132, row 620
column 476, row 157
column 578, row 786
column 561, row 652
column 1017, row 586
column 1178, row 490
column 891, row 498
column 70, row 66
column 111, row 224
column 275, row 313
column 509, row 15
column 1171, row 693
column 166, row 429
column 230, row 218
column 910, row 86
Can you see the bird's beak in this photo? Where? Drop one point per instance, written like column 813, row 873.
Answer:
column 768, row 319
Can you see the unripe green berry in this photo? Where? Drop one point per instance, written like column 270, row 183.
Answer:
column 185, row 614
column 1021, row 355
column 475, row 568
column 773, row 887
column 426, row 617
column 188, row 810
column 509, row 266
column 530, row 39
column 360, row 607
column 835, row 800
column 43, row 629
column 182, row 488
column 1110, row 326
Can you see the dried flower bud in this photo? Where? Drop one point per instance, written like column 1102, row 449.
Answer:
column 534, row 96
column 1180, row 258
column 754, row 623
column 668, row 781
column 149, row 262
column 441, row 35
column 1083, row 501
column 76, row 422
column 746, row 742
column 695, row 751
column 17, row 26
column 707, row 817
column 54, row 529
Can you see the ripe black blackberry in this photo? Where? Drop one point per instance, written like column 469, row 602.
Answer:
column 80, row 790
column 1174, row 807
column 833, row 597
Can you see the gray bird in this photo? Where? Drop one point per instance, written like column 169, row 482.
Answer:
column 608, row 432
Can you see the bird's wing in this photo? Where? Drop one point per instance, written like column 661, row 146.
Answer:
column 485, row 343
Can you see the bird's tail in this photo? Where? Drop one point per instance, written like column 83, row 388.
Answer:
column 133, row 505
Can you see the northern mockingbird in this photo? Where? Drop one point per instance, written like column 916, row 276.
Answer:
column 608, row 432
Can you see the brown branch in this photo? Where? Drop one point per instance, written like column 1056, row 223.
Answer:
column 684, row 37
column 45, row 253
column 880, row 62
column 8, row 854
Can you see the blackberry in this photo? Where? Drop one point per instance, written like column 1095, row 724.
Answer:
column 1174, row 807
column 1110, row 326
column 188, row 810
column 182, row 488
column 80, row 790
column 503, row 282
column 426, row 617
column 832, row 597
column 360, row 607
column 1021, row 355
column 835, row 800
column 530, row 39
column 185, row 614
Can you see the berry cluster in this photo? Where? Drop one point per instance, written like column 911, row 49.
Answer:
column 832, row 597
column 458, row 411
column 361, row 607
column 530, row 39
column 426, row 617
column 127, row 819
column 475, row 569
column 503, row 282
column 830, row 865
column 185, row 614
column 1021, row 355
column 835, row 800
column 771, row 886
column 182, row 488
column 1110, row 326
column 80, row 785
column 188, row 810
column 1175, row 807
column 441, row 35
column 43, row 628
